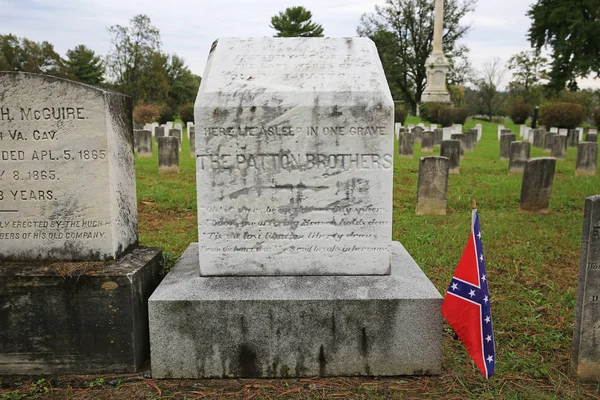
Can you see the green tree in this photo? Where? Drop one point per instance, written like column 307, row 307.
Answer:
column 403, row 33
column 184, row 84
column 22, row 54
column 85, row 65
column 570, row 28
column 294, row 22
column 528, row 69
column 133, row 50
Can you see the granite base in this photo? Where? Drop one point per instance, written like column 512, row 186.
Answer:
column 293, row 326
column 77, row 318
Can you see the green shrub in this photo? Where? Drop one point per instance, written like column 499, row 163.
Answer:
column 400, row 115
column 186, row 112
column 561, row 115
column 519, row 113
column 597, row 117
column 445, row 117
column 459, row 115
column 145, row 113
column 167, row 114
column 430, row 111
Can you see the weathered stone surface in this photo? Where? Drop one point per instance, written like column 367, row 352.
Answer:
column 446, row 133
column 292, row 326
column 192, row 130
column 432, row 186
column 144, row 143
column 67, row 182
column 559, row 147
column 519, row 154
column 451, row 150
column 538, row 138
column 573, row 138
column 587, row 158
column 591, row 137
column 176, row 133
column 548, row 141
column 505, row 140
column 438, row 134
column 159, row 131
column 418, row 133
column 593, row 131
column 536, row 187
column 77, row 318
column 479, row 128
column 427, row 142
column 302, row 142
column 463, row 142
column 563, row 132
column 585, row 360
column 407, row 144
column 168, row 154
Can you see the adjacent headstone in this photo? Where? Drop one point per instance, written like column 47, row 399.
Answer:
column 451, row 150
column 407, row 144
column 188, row 126
column 500, row 129
column 294, row 172
column 579, row 134
column 479, row 128
column 177, row 134
column 554, row 130
column 418, row 134
column 138, row 126
column 593, row 131
column 446, row 133
column 433, row 127
column 159, row 131
column 538, row 138
column 572, row 138
column 559, row 147
column 397, row 127
column 505, row 140
column 438, row 135
column 68, row 193
column 519, row 154
column 536, row 187
column 427, row 142
column 549, row 141
column 470, row 140
column 178, row 126
column 168, row 125
column 591, row 137
column 585, row 361
column 463, row 142
column 144, row 143
column 432, row 186
column 168, row 154
column 192, row 130
column 563, row 132
column 587, row 158
column 457, row 128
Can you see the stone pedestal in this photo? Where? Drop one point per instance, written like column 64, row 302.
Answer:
column 295, row 326
column 77, row 318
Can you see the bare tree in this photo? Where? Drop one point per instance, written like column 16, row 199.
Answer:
column 487, row 83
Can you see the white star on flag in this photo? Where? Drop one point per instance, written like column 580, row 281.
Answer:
column 487, row 319
column 472, row 293
column 488, row 338
column 483, row 278
column 454, row 286
column 485, row 299
column 481, row 257
column 490, row 358
column 479, row 235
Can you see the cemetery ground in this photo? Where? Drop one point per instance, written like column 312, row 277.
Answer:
column 532, row 263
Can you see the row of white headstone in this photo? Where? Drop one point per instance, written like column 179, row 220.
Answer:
column 525, row 132
column 447, row 132
column 169, row 125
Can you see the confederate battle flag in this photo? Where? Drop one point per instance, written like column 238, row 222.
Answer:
column 467, row 303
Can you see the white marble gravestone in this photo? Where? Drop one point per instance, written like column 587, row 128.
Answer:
column 294, row 158
column 67, row 181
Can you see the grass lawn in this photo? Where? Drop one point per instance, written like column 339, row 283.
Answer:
column 532, row 263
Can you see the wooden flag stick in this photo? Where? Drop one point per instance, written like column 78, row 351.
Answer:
column 473, row 204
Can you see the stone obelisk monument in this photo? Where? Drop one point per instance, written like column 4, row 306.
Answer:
column 437, row 63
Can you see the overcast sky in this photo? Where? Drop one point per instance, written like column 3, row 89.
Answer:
column 188, row 27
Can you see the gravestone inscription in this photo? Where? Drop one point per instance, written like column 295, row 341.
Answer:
column 294, row 178
column 67, row 183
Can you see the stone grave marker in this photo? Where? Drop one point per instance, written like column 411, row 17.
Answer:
column 536, row 187
column 192, row 130
column 159, row 131
column 554, row 130
column 572, row 138
column 176, row 133
column 178, row 126
column 500, row 129
column 427, row 142
column 591, row 137
column 579, row 134
column 549, row 141
column 407, row 144
column 168, row 154
column 294, row 185
column 433, row 127
column 519, row 154
column 593, row 131
column 438, row 135
column 585, row 360
column 446, row 133
column 188, row 126
column 463, row 142
column 505, row 140
column 538, row 138
column 451, row 150
column 418, row 133
column 587, row 158
column 144, row 143
column 470, row 140
column 559, row 147
column 432, row 186
column 67, row 196
column 563, row 132
column 479, row 128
